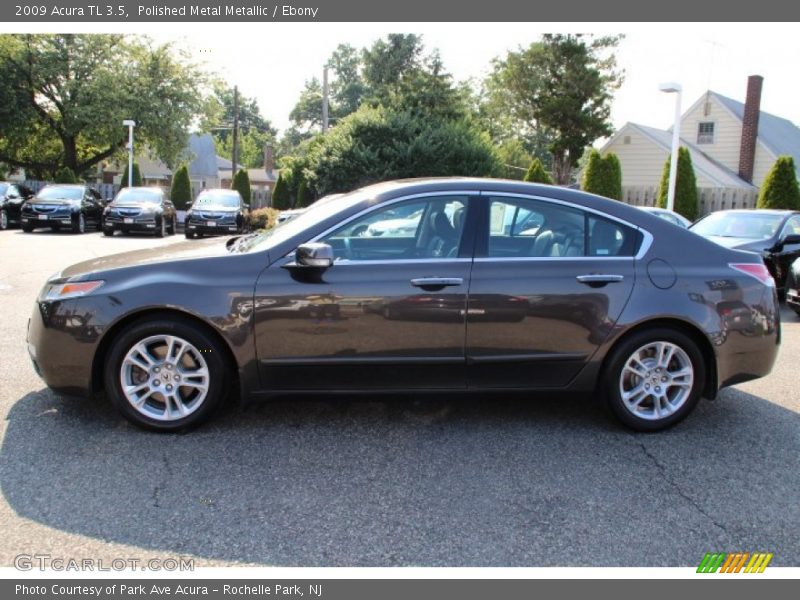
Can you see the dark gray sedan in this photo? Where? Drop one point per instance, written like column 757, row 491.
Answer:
column 499, row 286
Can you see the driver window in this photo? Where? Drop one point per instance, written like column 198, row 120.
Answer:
column 414, row 229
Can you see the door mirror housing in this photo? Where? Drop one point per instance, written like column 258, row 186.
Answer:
column 315, row 254
column 792, row 238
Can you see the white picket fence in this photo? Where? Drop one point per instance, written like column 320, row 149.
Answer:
column 710, row 199
column 258, row 198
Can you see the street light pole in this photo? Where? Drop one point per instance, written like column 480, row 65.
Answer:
column 235, row 129
column 130, row 125
column 673, row 88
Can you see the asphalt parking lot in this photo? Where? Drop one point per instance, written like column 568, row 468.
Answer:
column 386, row 481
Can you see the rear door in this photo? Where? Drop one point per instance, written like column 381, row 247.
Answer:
column 548, row 283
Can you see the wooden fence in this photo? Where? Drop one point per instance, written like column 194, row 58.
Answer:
column 710, row 199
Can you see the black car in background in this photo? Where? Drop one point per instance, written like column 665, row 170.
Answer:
column 12, row 195
column 597, row 297
column 75, row 207
column 772, row 234
column 793, row 287
column 217, row 212
column 140, row 209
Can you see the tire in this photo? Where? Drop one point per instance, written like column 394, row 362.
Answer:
column 99, row 226
column 203, row 357
column 108, row 231
column 173, row 229
column 649, row 404
column 79, row 225
column 3, row 220
column 27, row 228
column 189, row 235
column 796, row 311
column 161, row 228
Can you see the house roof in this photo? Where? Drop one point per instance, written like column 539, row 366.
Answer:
column 702, row 163
column 204, row 156
column 779, row 135
column 255, row 175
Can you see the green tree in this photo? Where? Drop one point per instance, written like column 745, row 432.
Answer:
column 537, row 174
column 304, row 195
column 561, row 87
column 685, row 186
column 181, row 192
column 780, row 188
column 603, row 175
column 281, row 198
column 241, row 183
column 65, row 175
column 613, row 170
column 376, row 144
column 67, row 94
column 514, row 157
column 137, row 176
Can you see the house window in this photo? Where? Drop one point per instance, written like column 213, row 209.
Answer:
column 705, row 133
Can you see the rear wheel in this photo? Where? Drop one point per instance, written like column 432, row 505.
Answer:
column 654, row 379
column 166, row 374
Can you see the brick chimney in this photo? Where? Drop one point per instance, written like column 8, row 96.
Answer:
column 752, row 108
column 269, row 158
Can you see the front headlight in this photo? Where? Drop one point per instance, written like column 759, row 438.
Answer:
column 62, row 291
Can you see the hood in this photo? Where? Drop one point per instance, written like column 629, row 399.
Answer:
column 188, row 250
column 54, row 202
column 214, row 208
column 738, row 243
column 143, row 206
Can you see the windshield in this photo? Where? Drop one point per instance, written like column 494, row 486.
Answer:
column 138, row 196
column 217, row 199
column 60, row 193
column 752, row 226
column 3, row 188
column 289, row 229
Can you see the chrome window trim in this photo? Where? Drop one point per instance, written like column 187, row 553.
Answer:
column 647, row 237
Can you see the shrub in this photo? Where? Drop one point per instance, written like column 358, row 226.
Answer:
column 537, row 174
column 65, row 175
column 685, row 186
column 137, row 176
column 304, row 195
column 241, row 183
column 603, row 175
column 780, row 188
column 263, row 218
column 181, row 193
column 281, row 198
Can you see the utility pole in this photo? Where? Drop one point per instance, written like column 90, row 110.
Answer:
column 235, row 129
column 325, row 99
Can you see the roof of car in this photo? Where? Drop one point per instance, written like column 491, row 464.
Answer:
column 761, row 211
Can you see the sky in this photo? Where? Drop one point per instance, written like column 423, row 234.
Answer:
column 271, row 61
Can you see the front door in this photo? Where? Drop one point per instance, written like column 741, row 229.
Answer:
column 390, row 311
column 548, row 284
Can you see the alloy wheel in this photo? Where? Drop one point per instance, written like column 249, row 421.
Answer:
column 3, row 220
column 656, row 380
column 164, row 377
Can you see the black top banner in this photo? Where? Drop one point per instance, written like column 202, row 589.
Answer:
column 115, row 11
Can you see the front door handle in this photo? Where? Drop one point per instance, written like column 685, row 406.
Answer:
column 436, row 283
column 599, row 279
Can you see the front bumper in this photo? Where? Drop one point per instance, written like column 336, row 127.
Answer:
column 793, row 297
column 218, row 228
column 48, row 220
column 129, row 223
column 62, row 341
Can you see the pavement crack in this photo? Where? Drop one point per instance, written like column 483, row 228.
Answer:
column 159, row 487
column 679, row 490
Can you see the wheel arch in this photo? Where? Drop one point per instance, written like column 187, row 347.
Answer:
column 99, row 360
column 710, row 386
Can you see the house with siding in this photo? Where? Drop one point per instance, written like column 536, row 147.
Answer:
column 733, row 146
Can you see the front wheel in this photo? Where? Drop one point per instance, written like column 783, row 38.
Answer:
column 3, row 220
column 166, row 374
column 161, row 228
column 108, row 231
column 79, row 225
column 654, row 379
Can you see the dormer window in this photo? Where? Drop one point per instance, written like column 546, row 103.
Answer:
column 705, row 133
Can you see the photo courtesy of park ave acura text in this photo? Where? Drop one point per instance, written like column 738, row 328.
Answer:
column 281, row 293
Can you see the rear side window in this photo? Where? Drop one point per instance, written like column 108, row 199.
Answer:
column 531, row 228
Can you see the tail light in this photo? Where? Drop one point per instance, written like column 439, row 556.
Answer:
column 757, row 270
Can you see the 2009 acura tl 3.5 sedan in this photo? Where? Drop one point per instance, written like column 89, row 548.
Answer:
column 501, row 286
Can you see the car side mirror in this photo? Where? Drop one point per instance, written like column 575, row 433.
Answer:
column 246, row 206
column 792, row 238
column 315, row 254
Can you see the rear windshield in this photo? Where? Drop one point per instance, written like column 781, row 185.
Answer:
column 753, row 226
column 138, row 196
column 60, row 193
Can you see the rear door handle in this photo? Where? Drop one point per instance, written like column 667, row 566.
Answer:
column 599, row 279
column 436, row 283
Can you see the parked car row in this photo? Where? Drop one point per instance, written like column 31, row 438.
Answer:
column 79, row 208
